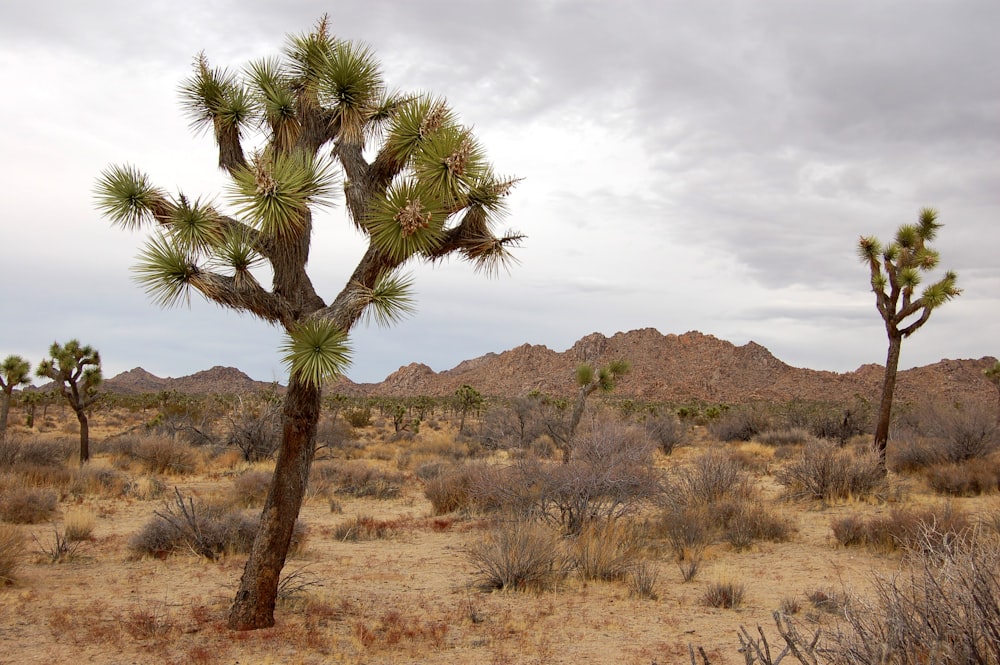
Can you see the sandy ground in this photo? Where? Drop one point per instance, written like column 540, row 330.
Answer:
column 407, row 599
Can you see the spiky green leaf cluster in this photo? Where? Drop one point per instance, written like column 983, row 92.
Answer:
column 216, row 98
column 390, row 301
column 276, row 190
column 408, row 220
column 165, row 271
column 125, row 196
column 316, row 350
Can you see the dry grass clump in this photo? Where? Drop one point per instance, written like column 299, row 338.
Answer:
column 902, row 528
column 100, row 481
column 364, row 527
column 724, row 594
column 519, row 556
column 827, row 472
column 27, row 505
column 78, row 523
column 606, row 550
column 11, row 553
column 788, row 436
column 394, row 628
column 154, row 454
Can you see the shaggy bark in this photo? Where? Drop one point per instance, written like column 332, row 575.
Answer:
column 885, row 406
column 253, row 607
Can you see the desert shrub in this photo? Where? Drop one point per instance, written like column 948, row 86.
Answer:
column 333, row 435
column 789, row 436
column 738, row 424
column 514, row 424
column 963, row 433
column 642, row 579
column 16, row 450
column 202, row 529
column 448, row 489
column 358, row 417
column 745, row 522
column 359, row 479
column 11, row 553
column 606, row 550
column 827, row 472
column 970, row 478
column 519, row 556
column 102, row 481
column 154, row 454
column 27, row 505
column 902, row 528
column 946, row 610
column 365, row 527
column 724, row 594
column 667, row 432
column 913, row 453
column 250, row 488
column 686, row 528
column 255, row 428
column 35, row 475
column 711, row 477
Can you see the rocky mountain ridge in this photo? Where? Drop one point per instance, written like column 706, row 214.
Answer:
column 668, row 368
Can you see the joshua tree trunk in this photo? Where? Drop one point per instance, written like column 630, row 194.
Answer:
column 254, row 604
column 81, row 415
column 885, row 406
column 4, row 408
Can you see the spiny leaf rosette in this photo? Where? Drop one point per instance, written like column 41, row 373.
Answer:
column 292, row 132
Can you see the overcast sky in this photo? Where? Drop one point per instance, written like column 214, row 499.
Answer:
column 687, row 166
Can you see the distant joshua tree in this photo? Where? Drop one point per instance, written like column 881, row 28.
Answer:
column 896, row 271
column 469, row 399
column 14, row 371
column 588, row 380
column 417, row 186
column 77, row 372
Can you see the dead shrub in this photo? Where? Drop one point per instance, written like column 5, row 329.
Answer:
column 250, row 488
column 902, row 528
column 519, row 556
column 946, row 610
column 11, row 553
column 744, row 523
column 741, row 424
column 606, row 550
column 827, row 472
column 642, row 580
column 667, row 432
column 27, row 505
column 101, row 481
column 16, row 450
column 359, row 479
column 970, row 478
column 448, row 489
column 255, row 427
column 789, row 436
column 202, row 529
column 712, row 477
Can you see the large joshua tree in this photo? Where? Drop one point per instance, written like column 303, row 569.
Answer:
column 896, row 271
column 14, row 371
column 76, row 371
column 416, row 183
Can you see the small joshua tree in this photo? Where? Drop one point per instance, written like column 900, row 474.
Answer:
column 896, row 271
column 588, row 380
column 77, row 372
column 469, row 399
column 14, row 371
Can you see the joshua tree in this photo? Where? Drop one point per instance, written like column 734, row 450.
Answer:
column 469, row 399
column 14, row 371
column 588, row 380
column 417, row 185
column 895, row 274
column 76, row 371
